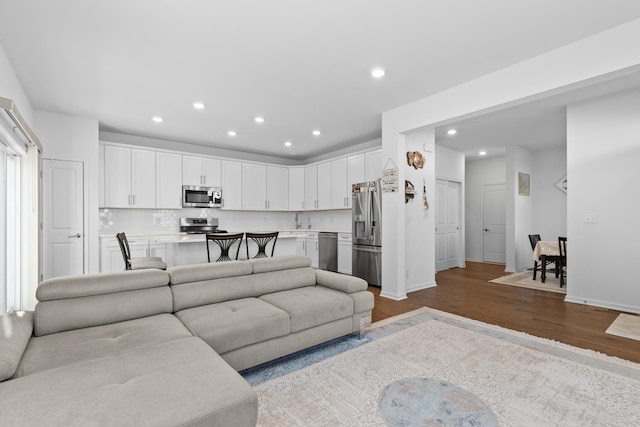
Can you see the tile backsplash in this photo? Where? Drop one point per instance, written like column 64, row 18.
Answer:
column 136, row 221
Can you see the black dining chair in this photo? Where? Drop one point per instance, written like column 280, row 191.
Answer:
column 262, row 240
column 225, row 242
column 138, row 263
column 562, row 244
column 549, row 259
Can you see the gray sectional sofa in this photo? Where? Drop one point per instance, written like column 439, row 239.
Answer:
column 151, row 347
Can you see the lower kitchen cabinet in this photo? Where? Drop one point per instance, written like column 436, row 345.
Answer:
column 111, row 259
column 311, row 248
column 344, row 253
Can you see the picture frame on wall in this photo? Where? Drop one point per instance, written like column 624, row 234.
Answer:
column 524, row 184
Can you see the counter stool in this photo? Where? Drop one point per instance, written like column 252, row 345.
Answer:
column 262, row 240
column 137, row 263
column 225, row 241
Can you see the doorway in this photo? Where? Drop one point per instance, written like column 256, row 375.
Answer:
column 494, row 221
column 448, row 202
column 63, row 238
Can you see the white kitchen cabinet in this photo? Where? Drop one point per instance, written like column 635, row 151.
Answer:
column 310, row 187
column 277, row 188
column 129, row 178
column 168, row 181
column 158, row 249
column 231, row 185
column 324, row 186
column 254, row 188
column 296, row 188
column 373, row 160
column 101, row 202
column 339, row 184
column 355, row 173
column 203, row 171
column 344, row 253
column 311, row 247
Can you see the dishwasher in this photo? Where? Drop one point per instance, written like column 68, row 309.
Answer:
column 328, row 251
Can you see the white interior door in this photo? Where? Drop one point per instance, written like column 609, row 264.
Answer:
column 63, row 218
column 447, row 224
column 494, row 219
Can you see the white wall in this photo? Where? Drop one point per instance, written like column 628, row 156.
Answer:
column 10, row 87
column 76, row 138
column 603, row 151
column 479, row 173
column 549, row 203
column 519, row 210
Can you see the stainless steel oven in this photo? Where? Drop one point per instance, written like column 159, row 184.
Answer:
column 201, row 197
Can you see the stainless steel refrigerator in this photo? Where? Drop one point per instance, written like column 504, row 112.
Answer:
column 367, row 231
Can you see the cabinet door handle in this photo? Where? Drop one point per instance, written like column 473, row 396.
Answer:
column 133, row 197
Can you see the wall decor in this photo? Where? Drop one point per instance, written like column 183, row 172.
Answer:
column 562, row 184
column 415, row 159
column 389, row 177
column 409, row 191
column 524, row 184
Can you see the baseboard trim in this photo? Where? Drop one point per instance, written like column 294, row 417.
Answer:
column 398, row 297
column 604, row 304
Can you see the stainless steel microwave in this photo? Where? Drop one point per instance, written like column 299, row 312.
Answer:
column 201, row 197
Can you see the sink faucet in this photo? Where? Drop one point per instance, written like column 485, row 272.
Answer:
column 298, row 224
column 309, row 219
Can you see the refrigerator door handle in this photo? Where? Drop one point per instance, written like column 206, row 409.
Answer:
column 367, row 248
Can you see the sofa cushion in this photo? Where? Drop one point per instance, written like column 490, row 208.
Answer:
column 233, row 324
column 207, row 271
column 311, row 306
column 177, row 383
column 265, row 265
column 212, row 291
column 15, row 331
column 340, row 282
column 80, row 345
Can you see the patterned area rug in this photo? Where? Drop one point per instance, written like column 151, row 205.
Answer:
column 625, row 325
column 440, row 369
column 525, row 280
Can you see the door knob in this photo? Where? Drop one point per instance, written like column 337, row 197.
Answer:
column 486, row 229
column 77, row 236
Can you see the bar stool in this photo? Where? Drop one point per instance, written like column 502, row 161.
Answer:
column 225, row 241
column 137, row 263
column 262, row 240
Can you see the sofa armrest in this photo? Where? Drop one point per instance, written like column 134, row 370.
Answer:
column 15, row 333
column 340, row 282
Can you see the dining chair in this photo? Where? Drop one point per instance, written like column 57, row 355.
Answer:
column 549, row 259
column 225, row 242
column 138, row 263
column 262, row 240
column 562, row 244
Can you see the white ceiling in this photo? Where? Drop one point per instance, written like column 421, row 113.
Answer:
column 303, row 65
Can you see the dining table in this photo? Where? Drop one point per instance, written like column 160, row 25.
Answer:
column 546, row 250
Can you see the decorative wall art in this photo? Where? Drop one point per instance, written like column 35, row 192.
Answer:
column 409, row 191
column 389, row 177
column 415, row 159
column 524, row 184
column 562, row 184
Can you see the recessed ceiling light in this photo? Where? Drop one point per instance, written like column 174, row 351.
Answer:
column 157, row 119
column 232, row 133
column 198, row 105
column 259, row 119
column 316, row 132
column 482, row 153
column 452, row 131
column 377, row 73
column 287, row 144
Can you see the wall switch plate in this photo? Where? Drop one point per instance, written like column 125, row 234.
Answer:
column 590, row 218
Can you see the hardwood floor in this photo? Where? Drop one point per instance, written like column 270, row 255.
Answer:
column 467, row 292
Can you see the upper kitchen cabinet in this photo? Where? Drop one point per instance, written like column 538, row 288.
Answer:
column 203, row 171
column 277, row 188
column 129, row 177
column 168, row 180
column 254, row 188
column 338, row 183
column 296, row 188
column 373, row 165
column 355, row 173
column 324, row 182
column 231, row 185
column 311, row 187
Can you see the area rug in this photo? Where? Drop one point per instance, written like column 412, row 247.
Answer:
column 525, row 280
column 625, row 325
column 447, row 370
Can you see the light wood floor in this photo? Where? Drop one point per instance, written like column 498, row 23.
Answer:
column 466, row 292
